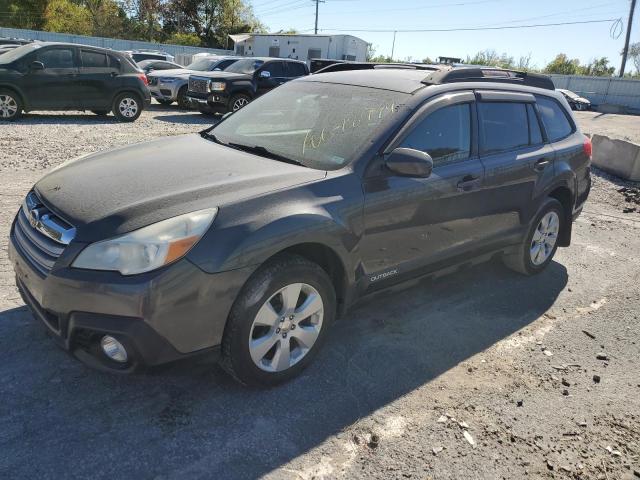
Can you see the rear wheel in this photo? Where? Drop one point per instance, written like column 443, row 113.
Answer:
column 10, row 106
column 541, row 242
column 278, row 322
column 127, row 107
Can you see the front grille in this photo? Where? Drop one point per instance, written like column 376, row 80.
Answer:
column 198, row 85
column 40, row 234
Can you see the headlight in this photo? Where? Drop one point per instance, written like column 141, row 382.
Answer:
column 167, row 80
column 216, row 86
column 148, row 248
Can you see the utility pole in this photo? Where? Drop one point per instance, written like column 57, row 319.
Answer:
column 393, row 45
column 625, row 51
column 317, row 3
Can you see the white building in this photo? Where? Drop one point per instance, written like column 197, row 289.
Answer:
column 300, row 47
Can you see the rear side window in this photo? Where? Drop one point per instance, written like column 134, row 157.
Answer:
column 296, row 70
column 56, row 58
column 535, row 134
column 93, row 59
column 554, row 118
column 275, row 68
column 444, row 134
column 503, row 126
column 115, row 63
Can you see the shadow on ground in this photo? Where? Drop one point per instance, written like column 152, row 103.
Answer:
column 189, row 118
column 59, row 419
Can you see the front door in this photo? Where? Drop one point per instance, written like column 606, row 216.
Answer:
column 412, row 224
column 55, row 86
column 270, row 76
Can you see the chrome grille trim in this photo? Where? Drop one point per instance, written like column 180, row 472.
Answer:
column 46, row 222
column 198, row 85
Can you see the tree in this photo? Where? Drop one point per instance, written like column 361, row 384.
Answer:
column 67, row 17
column 634, row 54
column 491, row 58
column 598, row 68
column 178, row 38
column 23, row 13
column 562, row 65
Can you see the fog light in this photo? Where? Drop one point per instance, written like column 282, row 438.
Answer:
column 113, row 349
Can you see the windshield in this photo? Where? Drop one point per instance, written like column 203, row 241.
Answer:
column 202, row 64
column 322, row 126
column 246, row 66
column 16, row 53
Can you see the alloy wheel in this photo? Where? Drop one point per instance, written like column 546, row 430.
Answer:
column 544, row 238
column 239, row 103
column 286, row 327
column 128, row 107
column 8, row 106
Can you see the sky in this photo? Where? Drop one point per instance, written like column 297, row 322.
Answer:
column 582, row 41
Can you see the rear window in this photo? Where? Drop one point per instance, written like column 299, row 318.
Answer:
column 503, row 126
column 93, row 59
column 554, row 119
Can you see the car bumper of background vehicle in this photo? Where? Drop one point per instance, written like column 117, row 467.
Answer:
column 163, row 92
column 159, row 317
column 214, row 103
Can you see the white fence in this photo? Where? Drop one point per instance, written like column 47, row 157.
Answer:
column 622, row 92
column 182, row 53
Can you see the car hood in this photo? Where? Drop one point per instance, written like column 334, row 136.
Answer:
column 114, row 192
column 222, row 75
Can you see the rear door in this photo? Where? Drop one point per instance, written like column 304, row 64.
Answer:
column 96, row 78
column 295, row 70
column 56, row 86
column 518, row 162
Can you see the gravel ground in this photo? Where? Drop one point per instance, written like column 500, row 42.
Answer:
column 479, row 374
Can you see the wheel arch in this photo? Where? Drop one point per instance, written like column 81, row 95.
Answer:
column 565, row 196
column 18, row 92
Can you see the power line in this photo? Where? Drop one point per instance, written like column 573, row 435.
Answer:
column 467, row 29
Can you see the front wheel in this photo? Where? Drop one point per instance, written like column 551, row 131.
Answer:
column 10, row 106
column 238, row 101
column 183, row 103
column 278, row 322
column 127, row 107
column 541, row 242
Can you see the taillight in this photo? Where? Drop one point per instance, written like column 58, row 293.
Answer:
column 587, row 146
column 144, row 78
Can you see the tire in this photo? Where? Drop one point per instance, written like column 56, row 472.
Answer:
column 238, row 101
column 10, row 105
column 163, row 101
column 101, row 113
column 261, row 316
column 182, row 98
column 528, row 259
column 127, row 107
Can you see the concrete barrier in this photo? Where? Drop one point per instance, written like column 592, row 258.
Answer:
column 618, row 157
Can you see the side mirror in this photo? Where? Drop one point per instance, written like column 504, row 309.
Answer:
column 36, row 66
column 265, row 74
column 408, row 162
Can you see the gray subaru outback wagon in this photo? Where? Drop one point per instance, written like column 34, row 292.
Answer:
column 249, row 239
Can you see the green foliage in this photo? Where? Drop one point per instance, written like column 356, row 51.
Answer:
column 597, row 68
column 491, row 58
column 563, row 65
column 180, row 38
column 634, row 55
column 67, row 17
column 23, row 13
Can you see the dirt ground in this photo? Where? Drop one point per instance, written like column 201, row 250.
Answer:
column 482, row 374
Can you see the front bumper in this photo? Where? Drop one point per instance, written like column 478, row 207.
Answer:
column 165, row 91
column 215, row 102
column 159, row 316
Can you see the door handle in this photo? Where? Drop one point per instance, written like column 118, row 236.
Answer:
column 468, row 183
column 541, row 164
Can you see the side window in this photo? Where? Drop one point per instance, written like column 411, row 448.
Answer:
column 115, row 63
column 56, row 58
column 444, row 134
column 555, row 120
column 91, row 59
column 535, row 134
column 296, row 70
column 503, row 126
column 224, row 64
column 275, row 68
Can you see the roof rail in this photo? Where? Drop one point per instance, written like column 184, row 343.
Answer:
column 343, row 66
column 482, row 74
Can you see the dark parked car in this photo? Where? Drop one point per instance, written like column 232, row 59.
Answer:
column 14, row 41
column 60, row 76
column 576, row 102
column 171, row 86
column 148, row 66
column 228, row 91
column 248, row 239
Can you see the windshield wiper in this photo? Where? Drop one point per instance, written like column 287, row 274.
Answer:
column 211, row 136
column 263, row 152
